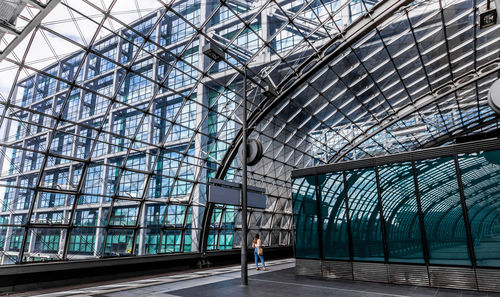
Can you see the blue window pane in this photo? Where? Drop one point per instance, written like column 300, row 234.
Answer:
column 400, row 209
column 365, row 215
column 481, row 181
column 443, row 217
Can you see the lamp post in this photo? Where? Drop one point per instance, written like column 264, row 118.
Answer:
column 244, row 227
column 217, row 54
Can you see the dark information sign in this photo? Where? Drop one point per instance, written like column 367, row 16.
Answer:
column 488, row 19
column 224, row 192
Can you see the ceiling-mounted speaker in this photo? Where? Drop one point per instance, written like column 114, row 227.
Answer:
column 494, row 96
column 254, row 152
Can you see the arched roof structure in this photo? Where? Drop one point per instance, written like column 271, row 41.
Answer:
column 115, row 109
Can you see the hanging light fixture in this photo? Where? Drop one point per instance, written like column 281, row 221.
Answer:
column 213, row 52
column 494, row 96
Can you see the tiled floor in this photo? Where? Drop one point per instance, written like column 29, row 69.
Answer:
column 285, row 283
column 279, row 281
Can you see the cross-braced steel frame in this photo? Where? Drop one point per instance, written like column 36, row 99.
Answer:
column 350, row 77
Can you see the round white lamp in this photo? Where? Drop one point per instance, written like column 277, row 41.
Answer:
column 494, row 96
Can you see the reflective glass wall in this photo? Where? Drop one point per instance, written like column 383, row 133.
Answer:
column 443, row 210
column 110, row 138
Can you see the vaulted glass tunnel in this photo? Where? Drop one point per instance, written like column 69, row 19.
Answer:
column 442, row 210
column 113, row 121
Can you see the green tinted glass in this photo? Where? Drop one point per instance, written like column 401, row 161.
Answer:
column 365, row 215
column 442, row 210
column 481, row 181
column 400, row 209
column 334, row 216
column 305, row 218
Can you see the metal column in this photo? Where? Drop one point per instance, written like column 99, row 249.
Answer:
column 244, row 227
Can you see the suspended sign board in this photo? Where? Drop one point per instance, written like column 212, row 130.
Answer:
column 488, row 19
column 224, row 192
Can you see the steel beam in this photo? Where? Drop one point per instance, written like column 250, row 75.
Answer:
column 8, row 28
column 31, row 25
column 407, row 110
column 436, row 152
column 357, row 30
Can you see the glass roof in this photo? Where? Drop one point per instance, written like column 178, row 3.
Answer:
column 113, row 120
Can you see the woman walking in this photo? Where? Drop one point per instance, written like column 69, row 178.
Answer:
column 258, row 252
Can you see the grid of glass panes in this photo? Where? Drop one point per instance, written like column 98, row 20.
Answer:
column 286, row 38
column 224, row 13
column 82, row 241
column 132, row 182
column 185, row 119
column 93, row 103
column 136, row 87
column 412, row 194
column 220, row 130
column 125, row 43
column 180, row 29
column 46, row 240
column 184, row 72
column 247, row 39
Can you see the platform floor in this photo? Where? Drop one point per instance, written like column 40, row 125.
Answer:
column 279, row 281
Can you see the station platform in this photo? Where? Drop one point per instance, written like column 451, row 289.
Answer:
column 279, row 281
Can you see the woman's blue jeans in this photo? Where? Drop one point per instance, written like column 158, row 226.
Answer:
column 257, row 256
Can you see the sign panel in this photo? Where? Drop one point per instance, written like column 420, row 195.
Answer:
column 224, row 192
column 256, row 200
column 224, row 195
column 488, row 19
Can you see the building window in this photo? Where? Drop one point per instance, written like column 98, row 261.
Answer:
column 83, row 242
column 180, row 29
column 174, row 173
column 170, row 108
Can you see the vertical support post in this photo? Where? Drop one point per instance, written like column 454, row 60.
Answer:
column 349, row 231
column 197, row 237
column 320, row 218
column 244, row 227
column 465, row 213
column 382, row 219
column 423, row 234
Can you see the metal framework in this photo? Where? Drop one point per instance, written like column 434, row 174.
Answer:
column 113, row 120
column 456, row 220
column 12, row 14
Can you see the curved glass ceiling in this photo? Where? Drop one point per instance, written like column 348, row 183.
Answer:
column 113, row 120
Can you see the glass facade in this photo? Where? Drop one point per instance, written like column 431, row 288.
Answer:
column 113, row 121
column 109, row 144
column 442, row 211
column 364, row 214
column 480, row 174
column 433, row 211
column 306, row 217
column 400, row 208
column 334, row 216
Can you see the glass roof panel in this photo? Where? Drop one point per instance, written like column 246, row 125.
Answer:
column 113, row 120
